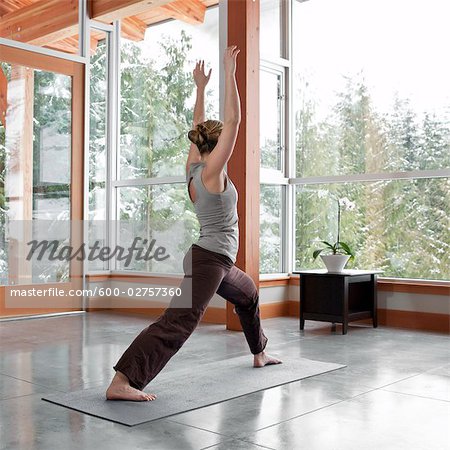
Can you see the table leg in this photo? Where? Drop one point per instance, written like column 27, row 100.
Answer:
column 345, row 306
column 374, row 301
column 302, row 296
column 344, row 327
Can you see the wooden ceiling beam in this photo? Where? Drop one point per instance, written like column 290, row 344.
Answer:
column 41, row 23
column 133, row 28
column 57, row 22
column 157, row 15
column 109, row 10
column 3, row 97
column 190, row 11
column 11, row 5
column 48, row 21
column 70, row 45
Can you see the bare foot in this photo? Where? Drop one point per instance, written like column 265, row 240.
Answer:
column 120, row 389
column 261, row 360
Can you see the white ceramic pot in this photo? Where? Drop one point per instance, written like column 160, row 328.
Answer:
column 335, row 263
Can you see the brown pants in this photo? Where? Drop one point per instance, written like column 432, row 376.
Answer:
column 210, row 272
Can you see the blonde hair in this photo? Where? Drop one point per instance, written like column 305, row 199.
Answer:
column 205, row 135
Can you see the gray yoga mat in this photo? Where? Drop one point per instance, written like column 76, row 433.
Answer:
column 188, row 389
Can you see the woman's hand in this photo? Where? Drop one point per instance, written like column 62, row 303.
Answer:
column 200, row 78
column 229, row 59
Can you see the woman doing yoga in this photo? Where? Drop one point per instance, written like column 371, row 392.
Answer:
column 209, row 264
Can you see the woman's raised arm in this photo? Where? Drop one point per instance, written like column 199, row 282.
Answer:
column 232, row 118
column 201, row 80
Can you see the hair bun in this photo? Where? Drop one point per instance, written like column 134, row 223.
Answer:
column 195, row 137
column 203, row 131
column 205, row 135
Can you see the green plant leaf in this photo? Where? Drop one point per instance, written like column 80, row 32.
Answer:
column 317, row 253
column 346, row 248
column 328, row 244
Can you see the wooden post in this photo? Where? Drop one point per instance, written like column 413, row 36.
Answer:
column 243, row 167
column 3, row 97
column 19, row 173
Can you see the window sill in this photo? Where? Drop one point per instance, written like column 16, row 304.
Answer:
column 427, row 287
column 413, row 286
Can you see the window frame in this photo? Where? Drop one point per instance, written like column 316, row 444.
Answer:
column 114, row 179
column 274, row 69
column 281, row 177
column 274, row 177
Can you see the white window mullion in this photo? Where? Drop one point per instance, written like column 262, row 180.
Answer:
column 113, row 137
column 353, row 178
column 289, row 206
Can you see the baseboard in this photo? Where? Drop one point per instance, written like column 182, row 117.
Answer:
column 269, row 310
column 212, row 314
column 293, row 308
column 414, row 320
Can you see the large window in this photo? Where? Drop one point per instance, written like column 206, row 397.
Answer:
column 98, row 143
column 372, row 123
column 345, row 111
column 272, row 149
column 157, row 100
column 274, row 130
column 271, row 228
column 399, row 226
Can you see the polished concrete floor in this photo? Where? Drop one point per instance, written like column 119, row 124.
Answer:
column 393, row 394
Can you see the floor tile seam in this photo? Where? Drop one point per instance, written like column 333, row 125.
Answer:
column 338, row 402
column 214, row 445
column 238, row 439
column 15, row 397
column 200, row 428
column 319, row 409
column 34, row 384
column 415, row 395
column 248, row 441
column 399, row 381
column 437, row 368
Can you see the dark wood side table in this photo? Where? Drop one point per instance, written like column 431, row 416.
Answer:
column 338, row 297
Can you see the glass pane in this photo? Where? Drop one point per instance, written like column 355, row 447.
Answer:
column 161, row 212
column 270, row 243
column 51, row 144
column 399, row 226
column 158, row 95
column 366, row 101
column 39, row 29
column 270, row 28
column 97, row 149
column 270, row 120
column 35, row 165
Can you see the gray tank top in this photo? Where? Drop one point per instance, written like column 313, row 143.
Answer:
column 216, row 213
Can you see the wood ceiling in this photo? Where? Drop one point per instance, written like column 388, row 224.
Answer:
column 54, row 23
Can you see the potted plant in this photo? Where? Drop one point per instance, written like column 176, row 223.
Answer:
column 338, row 253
